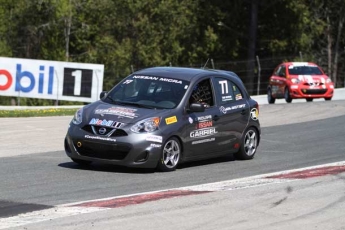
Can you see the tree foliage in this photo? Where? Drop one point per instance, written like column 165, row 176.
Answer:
column 126, row 35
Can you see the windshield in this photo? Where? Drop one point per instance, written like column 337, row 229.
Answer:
column 304, row 70
column 148, row 92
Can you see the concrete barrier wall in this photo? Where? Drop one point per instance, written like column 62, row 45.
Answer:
column 339, row 94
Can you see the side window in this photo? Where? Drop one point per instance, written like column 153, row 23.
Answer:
column 227, row 91
column 237, row 92
column 282, row 71
column 277, row 71
column 202, row 93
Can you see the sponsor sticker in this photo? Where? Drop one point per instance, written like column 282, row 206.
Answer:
column 254, row 114
column 204, row 118
column 190, row 120
column 127, row 82
column 158, row 79
column 155, row 145
column 170, row 120
column 203, row 132
column 154, row 138
column 238, row 97
column 104, row 122
column 227, row 98
column 204, row 124
column 203, row 141
column 118, row 111
column 226, row 109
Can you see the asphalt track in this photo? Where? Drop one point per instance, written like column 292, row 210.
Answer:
column 35, row 174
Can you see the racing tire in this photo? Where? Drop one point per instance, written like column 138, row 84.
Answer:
column 81, row 162
column 287, row 96
column 328, row 98
column 250, row 142
column 270, row 99
column 309, row 99
column 170, row 157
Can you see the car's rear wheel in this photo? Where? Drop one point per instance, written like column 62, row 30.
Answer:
column 170, row 156
column 270, row 99
column 250, row 141
column 81, row 162
column 309, row 99
column 328, row 98
column 287, row 96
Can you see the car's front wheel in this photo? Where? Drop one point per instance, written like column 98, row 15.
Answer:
column 328, row 98
column 287, row 96
column 170, row 156
column 250, row 141
column 270, row 99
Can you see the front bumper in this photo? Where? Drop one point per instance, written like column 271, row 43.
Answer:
column 133, row 150
column 302, row 91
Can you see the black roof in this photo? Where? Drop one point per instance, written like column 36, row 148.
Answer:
column 182, row 73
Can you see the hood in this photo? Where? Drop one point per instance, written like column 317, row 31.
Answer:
column 311, row 79
column 107, row 114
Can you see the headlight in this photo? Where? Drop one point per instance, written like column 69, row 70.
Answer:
column 147, row 125
column 328, row 80
column 295, row 80
column 78, row 117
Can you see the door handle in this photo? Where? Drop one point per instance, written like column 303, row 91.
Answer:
column 216, row 117
column 243, row 112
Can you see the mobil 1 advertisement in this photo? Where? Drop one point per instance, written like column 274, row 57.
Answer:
column 50, row 79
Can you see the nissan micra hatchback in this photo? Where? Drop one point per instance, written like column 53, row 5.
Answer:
column 294, row 80
column 162, row 116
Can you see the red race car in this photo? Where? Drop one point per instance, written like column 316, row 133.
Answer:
column 293, row 80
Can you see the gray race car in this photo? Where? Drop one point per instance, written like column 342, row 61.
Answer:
column 162, row 116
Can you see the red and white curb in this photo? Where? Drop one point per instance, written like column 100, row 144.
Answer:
column 91, row 206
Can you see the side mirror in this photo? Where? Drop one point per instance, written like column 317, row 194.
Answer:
column 102, row 94
column 196, row 107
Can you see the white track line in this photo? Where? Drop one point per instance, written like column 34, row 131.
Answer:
column 70, row 209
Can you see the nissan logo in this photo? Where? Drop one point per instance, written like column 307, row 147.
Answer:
column 102, row 131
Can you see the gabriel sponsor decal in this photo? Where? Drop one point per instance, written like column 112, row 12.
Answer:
column 118, row 111
column 226, row 109
column 203, row 132
column 104, row 122
column 170, row 120
column 158, row 79
column 254, row 114
column 154, row 138
column 204, row 124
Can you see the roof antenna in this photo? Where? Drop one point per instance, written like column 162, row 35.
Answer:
column 206, row 63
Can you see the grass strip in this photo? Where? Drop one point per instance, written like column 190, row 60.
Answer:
column 37, row 112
